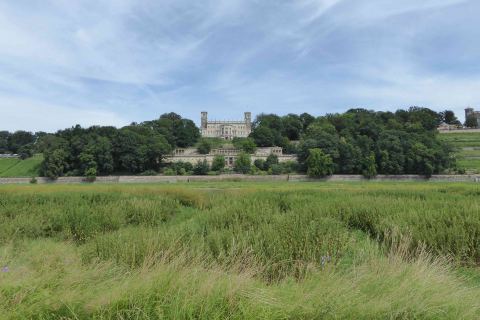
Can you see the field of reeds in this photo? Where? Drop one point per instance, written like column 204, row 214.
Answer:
column 232, row 250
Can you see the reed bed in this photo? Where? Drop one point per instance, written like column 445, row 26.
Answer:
column 240, row 250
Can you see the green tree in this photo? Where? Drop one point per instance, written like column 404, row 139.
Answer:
column 272, row 159
column 243, row 163
column 4, row 137
column 218, row 163
column 260, row 164
column 201, row 168
column 276, row 169
column 178, row 131
column 204, row 147
column 19, row 139
column 448, row 116
column 25, row 151
column 369, row 168
column 292, row 126
column 54, row 163
column 88, row 162
column 91, row 174
column 103, row 155
column 263, row 136
column 306, row 120
column 319, row 164
column 245, row 144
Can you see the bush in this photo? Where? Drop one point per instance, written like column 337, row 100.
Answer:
column 181, row 168
column 201, row 168
column 33, row 180
column 271, row 160
column 243, row 163
column 259, row 163
column 461, row 171
column 290, row 167
column 204, row 146
column 247, row 145
column 218, row 163
column 149, row 173
column 91, row 174
column 169, row 172
column 25, row 151
column 276, row 169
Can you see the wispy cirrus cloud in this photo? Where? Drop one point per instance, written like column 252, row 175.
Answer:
column 116, row 61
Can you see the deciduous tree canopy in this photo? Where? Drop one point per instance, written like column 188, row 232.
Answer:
column 358, row 141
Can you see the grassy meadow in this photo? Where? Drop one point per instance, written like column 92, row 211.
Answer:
column 20, row 168
column 237, row 250
column 467, row 145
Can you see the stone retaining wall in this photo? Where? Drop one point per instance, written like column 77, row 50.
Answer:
column 239, row 177
column 459, row 130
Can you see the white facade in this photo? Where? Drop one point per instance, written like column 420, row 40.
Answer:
column 226, row 129
column 230, row 155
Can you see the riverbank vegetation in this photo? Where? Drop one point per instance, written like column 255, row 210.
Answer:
column 240, row 250
column 358, row 141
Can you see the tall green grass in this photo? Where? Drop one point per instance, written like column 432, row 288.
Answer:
column 240, row 250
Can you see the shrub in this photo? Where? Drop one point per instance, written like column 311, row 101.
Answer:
column 181, row 168
column 247, row 145
column 218, row 163
column 243, row 163
column 149, row 173
column 259, row 163
column 290, row 166
column 91, row 174
column 33, row 180
column 169, row 172
column 271, row 160
column 201, row 168
column 204, row 146
column 461, row 171
column 276, row 169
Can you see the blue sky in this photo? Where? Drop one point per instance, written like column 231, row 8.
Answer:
column 111, row 62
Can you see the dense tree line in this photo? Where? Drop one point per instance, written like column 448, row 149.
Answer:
column 133, row 149
column 272, row 130
column 358, row 141
column 19, row 142
column 367, row 142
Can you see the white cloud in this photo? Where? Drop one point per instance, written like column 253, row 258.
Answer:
column 141, row 58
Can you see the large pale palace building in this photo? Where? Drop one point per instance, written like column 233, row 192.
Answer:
column 226, row 129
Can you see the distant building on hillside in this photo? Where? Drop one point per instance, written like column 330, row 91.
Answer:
column 229, row 154
column 471, row 112
column 226, row 129
column 447, row 127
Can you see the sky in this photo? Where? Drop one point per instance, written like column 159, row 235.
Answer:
column 113, row 62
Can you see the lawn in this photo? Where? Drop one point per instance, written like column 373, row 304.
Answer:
column 20, row 168
column 464, row 142
column 238, row 250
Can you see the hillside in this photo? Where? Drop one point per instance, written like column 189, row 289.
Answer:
column 468, row 148
column 20, row 168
